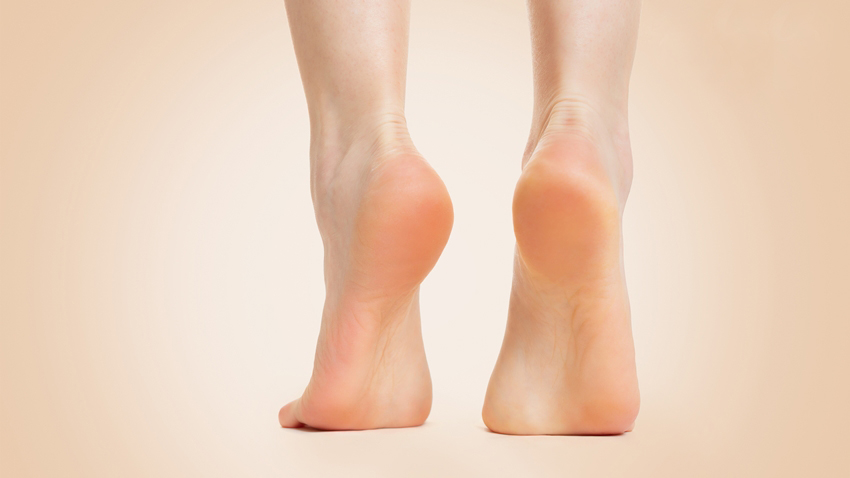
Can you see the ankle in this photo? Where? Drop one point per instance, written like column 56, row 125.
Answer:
column 573, row 117
column 569, row 112
column 338, row 144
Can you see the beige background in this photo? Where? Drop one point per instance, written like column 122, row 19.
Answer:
column 160, row 279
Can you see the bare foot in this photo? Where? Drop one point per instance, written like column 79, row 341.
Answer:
column 567, row 362
column 384, row 216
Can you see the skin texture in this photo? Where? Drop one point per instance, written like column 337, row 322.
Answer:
column 567, row 360
column 383, row 213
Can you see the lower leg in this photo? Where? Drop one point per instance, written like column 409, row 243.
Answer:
column 383, row 213
column 567, row 361
column 583, row 52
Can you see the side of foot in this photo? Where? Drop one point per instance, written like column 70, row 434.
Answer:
column 567, row 361
column 384, row 216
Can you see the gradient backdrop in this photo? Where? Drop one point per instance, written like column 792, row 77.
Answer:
column 160, row 269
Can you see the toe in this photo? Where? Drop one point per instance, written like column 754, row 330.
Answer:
column 286, row 416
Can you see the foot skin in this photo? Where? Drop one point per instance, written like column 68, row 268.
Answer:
column 567, row 361
column 384, row 216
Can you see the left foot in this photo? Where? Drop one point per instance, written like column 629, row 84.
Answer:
column 384, row 216
column 567, row 362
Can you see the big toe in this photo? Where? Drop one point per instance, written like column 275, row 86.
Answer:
column 286, row 416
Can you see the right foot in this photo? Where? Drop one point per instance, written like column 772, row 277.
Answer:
column 567, row 362
column 384, row 216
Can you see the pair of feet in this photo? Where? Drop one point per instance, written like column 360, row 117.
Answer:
column 567, row 361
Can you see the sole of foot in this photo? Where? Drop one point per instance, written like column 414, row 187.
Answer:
column 385, row 217
column 567, row 362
